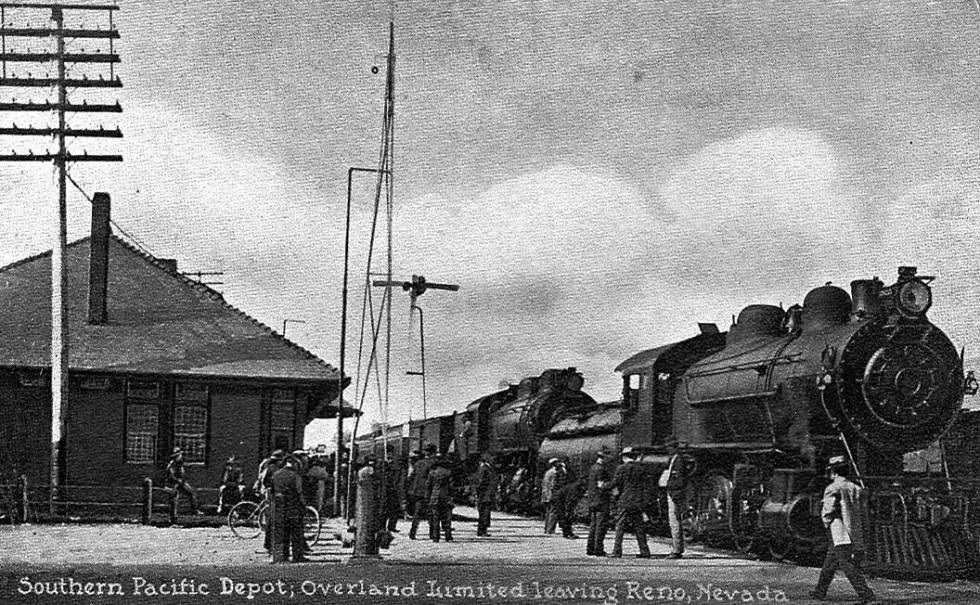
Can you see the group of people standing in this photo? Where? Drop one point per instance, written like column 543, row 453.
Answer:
column 629, row 483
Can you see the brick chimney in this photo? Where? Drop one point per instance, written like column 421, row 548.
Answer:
column 98, row 265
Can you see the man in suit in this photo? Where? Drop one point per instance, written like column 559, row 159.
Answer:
column 841, row 513
column 232, row 488
column 418, row 487
column 674, row 480
column 629, row 480
column 485, row 484
column 439, row 486
column 597, row 496
column 287, row 511
column 552, row 481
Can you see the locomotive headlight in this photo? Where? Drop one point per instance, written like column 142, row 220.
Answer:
column 914, row 297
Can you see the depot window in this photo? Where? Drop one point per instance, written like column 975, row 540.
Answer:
column 142, row 423
column 190, row 422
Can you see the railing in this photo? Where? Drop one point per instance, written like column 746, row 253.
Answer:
column 147, row 503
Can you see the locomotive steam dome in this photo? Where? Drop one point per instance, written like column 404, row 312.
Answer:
column 826, row 306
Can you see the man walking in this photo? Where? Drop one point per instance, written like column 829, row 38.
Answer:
column 674, row 480
column 842, row 508
column 176, row 480
column 629, row 480
column 439, row 485
column 287, row 513
column 418, row 488
column 597, row 498
column 485, row 484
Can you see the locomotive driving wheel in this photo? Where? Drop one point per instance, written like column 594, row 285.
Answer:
column 745, row 519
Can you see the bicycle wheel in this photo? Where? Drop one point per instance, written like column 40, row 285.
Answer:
column 311, row 525
column 243, row 519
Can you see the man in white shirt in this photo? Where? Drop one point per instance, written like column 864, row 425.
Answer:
column 841, row 514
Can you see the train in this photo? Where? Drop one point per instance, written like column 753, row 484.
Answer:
column 508, row 425
column 762, row 407
column 759, row 409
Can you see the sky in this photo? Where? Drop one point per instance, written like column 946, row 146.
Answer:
column 597, row 177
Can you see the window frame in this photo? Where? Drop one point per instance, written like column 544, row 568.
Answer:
column 198, row 398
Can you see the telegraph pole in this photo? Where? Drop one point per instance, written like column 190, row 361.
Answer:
column 12, row 43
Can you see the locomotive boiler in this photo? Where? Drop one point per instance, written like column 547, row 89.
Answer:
column 762, row 407
column 510, row 424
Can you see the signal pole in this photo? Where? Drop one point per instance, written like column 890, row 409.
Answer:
column 416, row 288
column 61, row 159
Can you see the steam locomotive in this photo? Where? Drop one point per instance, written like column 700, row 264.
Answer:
column 508, row 425
column 762, row 407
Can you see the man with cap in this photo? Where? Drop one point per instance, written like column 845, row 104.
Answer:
column 176, row 480
column 597, row 494
column 439, row 486
column 231, row 490
column 485, row 483
column 674, row 480
column 418, row 487
column 287, row 513
column 629, row 482
column 552, row 481
column 267, row 468
column 842, row 513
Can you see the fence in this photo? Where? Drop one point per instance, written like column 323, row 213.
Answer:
column 148, row 503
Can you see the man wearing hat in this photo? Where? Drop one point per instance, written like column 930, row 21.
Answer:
column 267, row 469
column 842, row 507
column 287, row 513
column 176, row 480
column 552, row 481
column 417, row 487
column 674, row 480
column 232, row 488
column 439, row 486
column 597, row 498
column 485, row 483
column 629, row 480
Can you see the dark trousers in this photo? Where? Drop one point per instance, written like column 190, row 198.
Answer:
column 564, row 515
column 845, row 558
column 421, row 510
column 441, row 514
column 182, row 487
column 634, row 519
column 287, row 532
column 598, row 517
column 482, row 518
column 229, row 495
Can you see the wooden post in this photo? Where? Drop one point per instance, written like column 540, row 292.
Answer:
column 366, row 543
column 147, row 515
column 173, row 506
column 22, row 500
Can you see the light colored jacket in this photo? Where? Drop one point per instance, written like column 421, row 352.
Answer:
column 842, row 507
column 548, row 484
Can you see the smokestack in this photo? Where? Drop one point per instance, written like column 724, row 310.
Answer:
column 98, row 265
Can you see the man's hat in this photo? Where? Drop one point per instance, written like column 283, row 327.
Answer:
column 177, row 451
column 838, row 463
column 431, row 448
column 554, row 461
column 603, row 453
column 415, row 454
column 279, row 454
column 232, row 458
column 628, row 452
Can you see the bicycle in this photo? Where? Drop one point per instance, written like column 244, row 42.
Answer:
column 248, row 519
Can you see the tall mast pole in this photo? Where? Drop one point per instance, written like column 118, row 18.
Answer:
column 390, row 159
